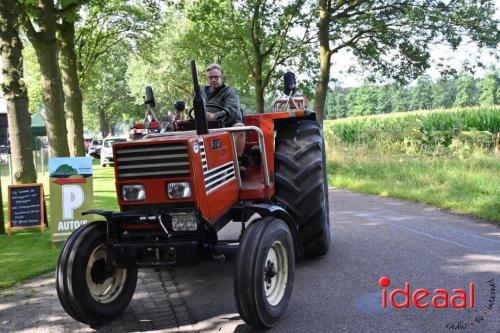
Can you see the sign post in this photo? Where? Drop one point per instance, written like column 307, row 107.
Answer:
column 26, row 207
column 71, row 193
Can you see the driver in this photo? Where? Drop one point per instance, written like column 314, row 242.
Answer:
column 216, row 92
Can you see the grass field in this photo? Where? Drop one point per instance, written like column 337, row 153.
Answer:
column 469, row 185
column 28, row 253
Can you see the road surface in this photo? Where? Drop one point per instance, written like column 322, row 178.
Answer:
column 372, row 237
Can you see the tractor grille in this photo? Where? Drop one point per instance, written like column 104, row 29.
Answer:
column 153, row 161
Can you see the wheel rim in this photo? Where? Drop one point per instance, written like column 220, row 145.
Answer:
column 275, row 273
column 104, row 287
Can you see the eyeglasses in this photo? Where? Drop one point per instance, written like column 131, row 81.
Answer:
column 213, row 77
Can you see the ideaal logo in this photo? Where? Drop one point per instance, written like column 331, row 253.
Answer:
column 422, row 298
column 439, row 299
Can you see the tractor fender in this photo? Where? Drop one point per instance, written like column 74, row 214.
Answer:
column 269, row 209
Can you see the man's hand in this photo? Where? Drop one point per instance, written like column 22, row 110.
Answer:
column 211, row 116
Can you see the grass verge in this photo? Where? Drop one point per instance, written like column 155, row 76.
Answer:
column 28, row 253
column 468, row 186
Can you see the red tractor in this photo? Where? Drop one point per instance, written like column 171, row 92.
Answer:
column 177, row 189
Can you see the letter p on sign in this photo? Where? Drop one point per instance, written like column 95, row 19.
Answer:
column 72, row 198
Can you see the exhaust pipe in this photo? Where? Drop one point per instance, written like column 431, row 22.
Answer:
column 198, row 104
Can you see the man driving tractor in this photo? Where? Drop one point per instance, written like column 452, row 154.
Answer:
column 216, row 93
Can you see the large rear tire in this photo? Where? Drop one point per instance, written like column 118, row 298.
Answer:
column 265, row 268
column 301, row 183
column 87, row 290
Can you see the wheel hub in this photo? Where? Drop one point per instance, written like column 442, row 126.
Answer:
column 98, row 271
column 104, row 283
column 269, row 273
column 276, row 273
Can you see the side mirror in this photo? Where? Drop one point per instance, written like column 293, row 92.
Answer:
column 149, row 99
column 289, row 80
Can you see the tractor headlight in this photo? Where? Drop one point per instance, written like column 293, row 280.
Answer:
column 179, row 190
column 133, row 192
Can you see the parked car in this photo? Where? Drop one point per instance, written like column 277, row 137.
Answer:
column 107, row 150
column 87, row 143
column 95, row 148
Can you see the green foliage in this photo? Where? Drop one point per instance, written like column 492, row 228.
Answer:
column 421, row 98
column 392, row 38
column 430, row 132
column 163, row 63
column 64, row 170
column 490, row 87
column 467, row 93
column 363, row 101
column 108, row 23
column 106, row 93
column 337, row 106
column 425, row 94
column 444, row 93
column 32, row 78
column 252, row 40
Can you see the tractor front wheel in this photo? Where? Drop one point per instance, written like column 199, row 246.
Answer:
column 91, row 289
column 265, row 268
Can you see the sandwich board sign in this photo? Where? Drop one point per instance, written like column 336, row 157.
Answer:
column 26, row 207
column 71, row 193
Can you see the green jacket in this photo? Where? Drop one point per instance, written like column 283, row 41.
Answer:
column 227, row 98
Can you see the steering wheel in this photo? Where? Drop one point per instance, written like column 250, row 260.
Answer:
column 224, row 117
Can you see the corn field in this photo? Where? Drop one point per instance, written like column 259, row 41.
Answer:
column 459, row 131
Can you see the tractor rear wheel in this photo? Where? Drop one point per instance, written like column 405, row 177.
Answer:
column 301, row 183
column 90, row 289
column 265, row 268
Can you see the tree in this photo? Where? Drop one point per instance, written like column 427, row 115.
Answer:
column 163, row 63
column 108, row 97
column 401, row 98
column 71, row 85
column 384, row 99
column 16, row 95
column 337, row 104
column 421, row 97
column 444, row 93
column 42, row 36
column 490, row 88
column 106, row 24
column 109, row 25
column 467, row 93
column 363, row 100
column 393, row 37
column 251, row 35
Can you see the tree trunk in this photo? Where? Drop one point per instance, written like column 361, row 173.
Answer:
column 259, row 97
column 259, row 82
column 324, row 60
column 46, row 48
column 16, row 96
column 103, row 123
column 71, row 88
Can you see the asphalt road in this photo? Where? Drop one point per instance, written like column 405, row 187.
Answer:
column 372, row 237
